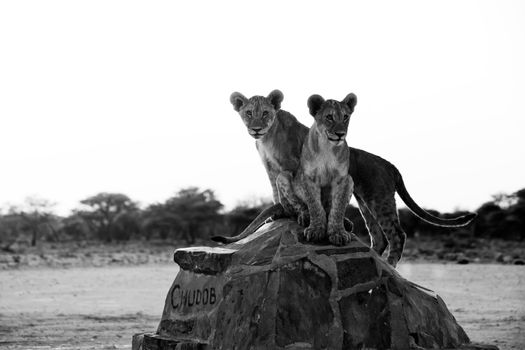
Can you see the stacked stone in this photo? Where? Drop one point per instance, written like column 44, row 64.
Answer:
column 273, row 291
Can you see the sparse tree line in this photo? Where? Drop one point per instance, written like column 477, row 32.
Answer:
column 193, row 214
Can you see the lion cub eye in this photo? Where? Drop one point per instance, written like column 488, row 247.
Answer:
column 249, row 113
column 330, row 117
column 265, row 113
column 345, row 118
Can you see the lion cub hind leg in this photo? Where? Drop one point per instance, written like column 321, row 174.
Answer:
column 289, row 200
column 310, row 193
column 389, row 221
column 341, row 191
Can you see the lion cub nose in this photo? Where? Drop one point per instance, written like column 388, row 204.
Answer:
column 256, row 129
column 340, row 134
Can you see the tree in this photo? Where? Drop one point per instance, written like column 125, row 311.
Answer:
column 194, row 213
column 10, row 228
column 37, row 216
column 503, row 217
column 126, row 225
column 158, row 219
column 516, row 215
column 105, row 213
column 75, row 227
column 520, row 196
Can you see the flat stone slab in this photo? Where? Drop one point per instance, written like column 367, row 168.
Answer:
column 274, row 291
column 207, row 260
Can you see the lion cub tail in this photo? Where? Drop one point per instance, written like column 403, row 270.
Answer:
column 426, row 216
column 274, row 212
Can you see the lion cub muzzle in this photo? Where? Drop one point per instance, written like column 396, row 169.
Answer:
column 257, row 132
column 336, row 137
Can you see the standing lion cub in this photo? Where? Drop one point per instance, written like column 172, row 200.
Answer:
column 323, row 181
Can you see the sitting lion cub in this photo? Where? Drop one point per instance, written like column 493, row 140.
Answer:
column 323, row 182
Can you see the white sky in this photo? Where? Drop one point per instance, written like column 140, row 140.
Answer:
column 133, row 97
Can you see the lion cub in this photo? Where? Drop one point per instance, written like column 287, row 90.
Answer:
column 323, row 182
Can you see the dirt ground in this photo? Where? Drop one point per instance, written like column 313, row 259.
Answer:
column 70, row 254
column 101, row 307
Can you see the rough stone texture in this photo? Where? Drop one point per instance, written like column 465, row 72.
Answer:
column 206, row 260
column 273, row 291
column 155, row 342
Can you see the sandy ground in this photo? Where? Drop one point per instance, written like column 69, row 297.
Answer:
column 72, row 254
column 487, row 300
column 100, row 308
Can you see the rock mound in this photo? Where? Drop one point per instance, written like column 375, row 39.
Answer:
column 272, row 291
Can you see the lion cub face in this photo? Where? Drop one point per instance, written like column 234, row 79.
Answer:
column 332, row 117
column 258, row 112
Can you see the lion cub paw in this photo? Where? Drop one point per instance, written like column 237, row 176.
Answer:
column 339, row 237
column 314, row 233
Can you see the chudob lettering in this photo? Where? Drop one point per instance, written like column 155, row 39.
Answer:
column 191, row 297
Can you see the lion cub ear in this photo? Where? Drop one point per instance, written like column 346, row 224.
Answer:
column 276, row 97
column 238, row 100
column 350, row 100
column 314, row 104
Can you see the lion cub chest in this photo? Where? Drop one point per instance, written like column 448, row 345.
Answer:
column 269, row 155
column 326, row 165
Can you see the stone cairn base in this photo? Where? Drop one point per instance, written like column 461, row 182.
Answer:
column 272, row 291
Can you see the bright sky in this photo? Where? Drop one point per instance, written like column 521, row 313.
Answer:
column 133, row 97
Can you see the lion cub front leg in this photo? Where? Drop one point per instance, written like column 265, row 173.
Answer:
column 310, row 193
column 341, row 191
column 288, row 198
